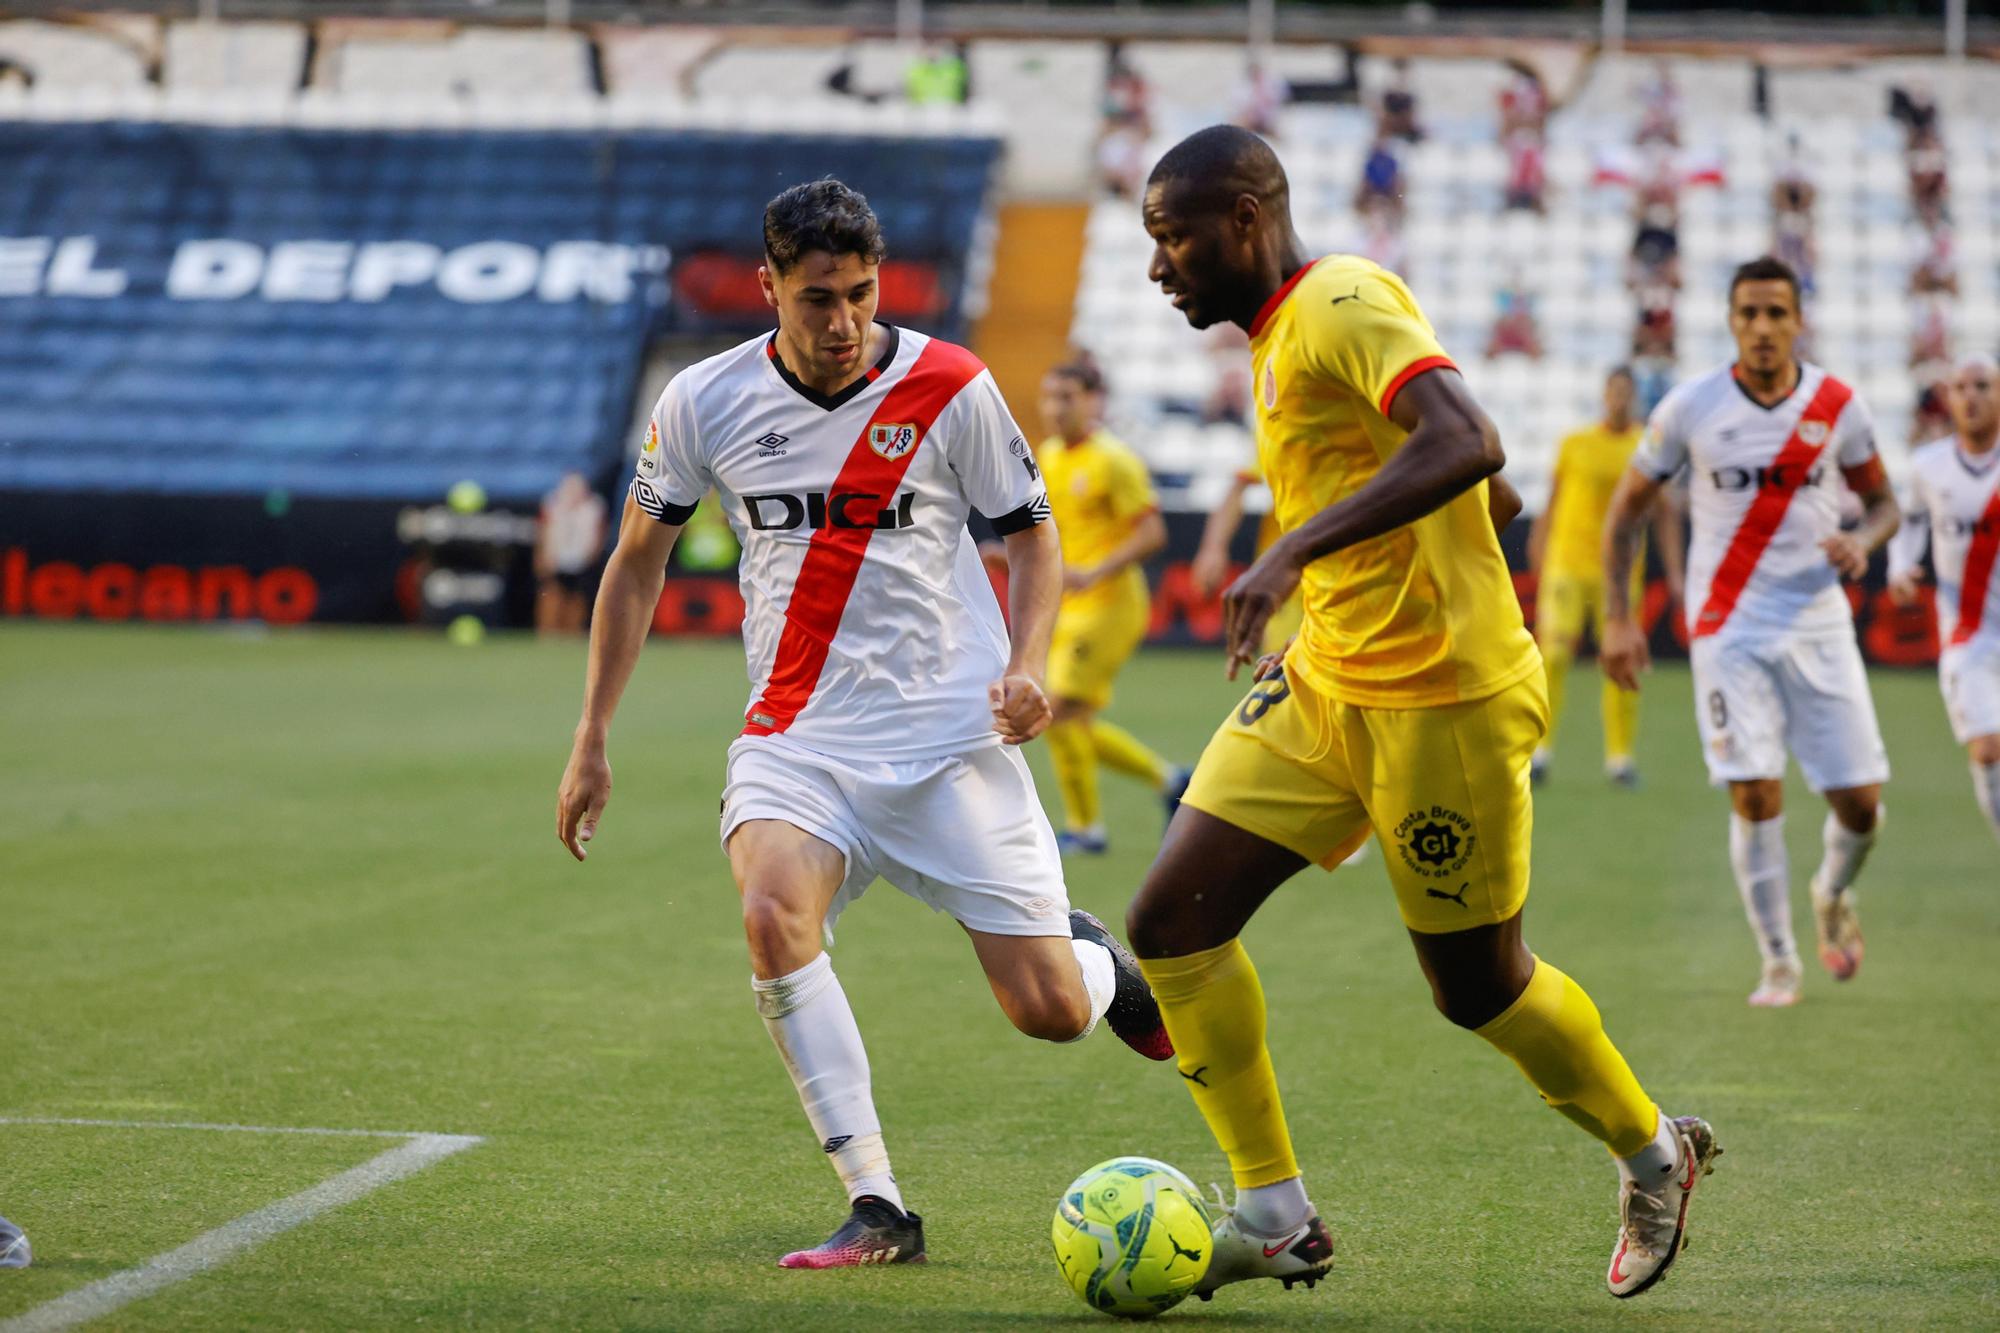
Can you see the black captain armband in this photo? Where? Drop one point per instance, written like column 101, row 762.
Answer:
column 1020, row 520
column 648, row 498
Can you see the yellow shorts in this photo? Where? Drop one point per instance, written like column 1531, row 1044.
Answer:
column 1565, row 602
column 1093, row 639
column 1444, row 788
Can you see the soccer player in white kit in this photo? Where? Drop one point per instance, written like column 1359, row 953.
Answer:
column 1776, row 667
column 887, row 698
column 1955, row 510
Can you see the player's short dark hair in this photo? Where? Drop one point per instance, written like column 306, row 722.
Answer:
column 1213, row 166
column 821, row 215
column 1768, row 268
column 1084, row 374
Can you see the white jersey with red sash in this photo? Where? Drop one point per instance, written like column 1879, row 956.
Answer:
column 1763, row 493
column 871, row 629
column 1955, row 509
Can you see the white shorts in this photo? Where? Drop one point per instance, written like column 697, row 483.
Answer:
column 1969, row 675
column 1756, row 698
column 964, row 833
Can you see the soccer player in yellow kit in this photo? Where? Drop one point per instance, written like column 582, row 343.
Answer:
column 1108, row 518
column 1410, row 704
column 1211, row 559
column 1565, row 549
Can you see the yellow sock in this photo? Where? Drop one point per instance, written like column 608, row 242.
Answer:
column 1556, row 662
column 1621, row 722
column 1214, row 1010
column 1123, row 752
column 1554, row 1034
column 1075, row 762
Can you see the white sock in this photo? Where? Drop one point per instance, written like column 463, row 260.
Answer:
column 1986, row 786
column 1657, row 1160
column 807, row 1015
column 1100, row 980
column 1273, row 1210
column 1845, row 853
column 1757, row 855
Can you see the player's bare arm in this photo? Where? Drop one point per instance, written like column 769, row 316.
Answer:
column 1021, row 709
column 1848, row 552
column 1211, row 559
column 1670, row 540
column 1503, row 502
column 626, row 598
column 1146, row 540
column 1452, row 446
column 1623, row 655
column 1538, row 531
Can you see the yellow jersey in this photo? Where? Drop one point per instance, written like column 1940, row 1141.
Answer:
column 1422, row 615
column 1098, row 489
column 1588, row 466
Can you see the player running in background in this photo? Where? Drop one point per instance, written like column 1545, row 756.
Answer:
column 1565, row 549
column 1210, row 567
column 887, row 697
column 1955, row 509
column 1410, row 702
column 1776, row 666
column 1109, row 520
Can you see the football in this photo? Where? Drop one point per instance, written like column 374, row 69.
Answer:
column 1131, row 1237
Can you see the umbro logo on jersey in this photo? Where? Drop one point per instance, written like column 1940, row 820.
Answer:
column 778, row 512
column 892, row 439
column 771, row 444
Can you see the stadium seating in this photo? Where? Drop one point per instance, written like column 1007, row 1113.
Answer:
column 377, row 313
column 1463, row 247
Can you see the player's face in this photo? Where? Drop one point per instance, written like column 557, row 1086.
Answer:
column 1973, row 399
column 825, row 304
column 1199, row 260
column 1764, row 316
column 1067, row 408
column 1618, row 395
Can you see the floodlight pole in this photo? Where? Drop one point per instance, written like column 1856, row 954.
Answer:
column 1954, row 31
column 557, row 13
column 909, row 21
column 1613, row 30
column 209, row 11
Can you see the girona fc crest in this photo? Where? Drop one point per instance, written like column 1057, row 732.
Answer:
column 1813, row 432
column 892, row 439
column 1270, row 388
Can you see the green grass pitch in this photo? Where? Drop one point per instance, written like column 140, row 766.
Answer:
column 311, row 879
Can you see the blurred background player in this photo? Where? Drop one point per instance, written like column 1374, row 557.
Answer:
column 568, row 544
column 1566, row 551
column 1410, row 702
column 1776, row 666
column 1210, row 568
column 1954, row 509
column 14, row 1251
column 1109, row 520
column 888, row 696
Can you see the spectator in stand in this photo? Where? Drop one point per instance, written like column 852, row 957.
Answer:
column 1527, row 171
column 1515, row 330
column 1916, row 111
column 1259, row 99
column 1654, row 262
column 1228, row 403
column 1381, row 188
column 1396, row 111
column 1382, row 241
column 1128, row 124
column 939, row 75
column 1660, row 109
column 1930, row 181
column 1127, row 99
column 568, row 548
column 1794, row 238
column 1936, row 271
column 1930, row 340
column 1524, row 103
column 1932, row 416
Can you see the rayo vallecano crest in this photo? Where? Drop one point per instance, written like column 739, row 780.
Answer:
column 1812, row 432
column 892, row 439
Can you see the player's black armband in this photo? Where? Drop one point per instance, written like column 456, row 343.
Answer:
column 648, row 498
column 1020, row 520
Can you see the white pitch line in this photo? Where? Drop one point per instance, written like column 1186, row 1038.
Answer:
column 216, row 1247
column 223, row 1129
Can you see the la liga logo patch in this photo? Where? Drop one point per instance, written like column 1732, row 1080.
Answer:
column 892, row 439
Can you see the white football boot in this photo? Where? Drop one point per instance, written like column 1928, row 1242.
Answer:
column 1303, row 1254
column 1839, row 927
column 1779, row 987
column 1652, row 1224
